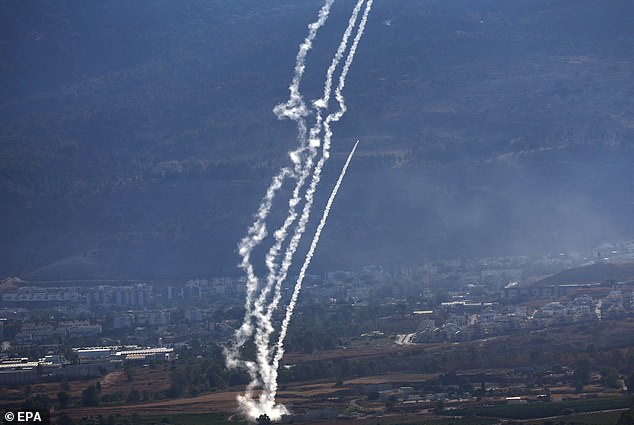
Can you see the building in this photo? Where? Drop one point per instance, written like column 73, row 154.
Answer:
column 102, row 355
column 515, row 291
column 152, row 318
column 79, row 329
column 137, row 295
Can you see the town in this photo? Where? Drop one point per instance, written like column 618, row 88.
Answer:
column 55, row 333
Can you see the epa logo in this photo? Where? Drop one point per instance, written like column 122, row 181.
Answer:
column 26, row 417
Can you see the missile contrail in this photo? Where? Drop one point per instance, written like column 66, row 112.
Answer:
column 274, row 280
column 298, row 286
column 322, row 223
column 281, row 233
column 269, row 372
column 327, row 137
column 294, row 109
column 259, row 309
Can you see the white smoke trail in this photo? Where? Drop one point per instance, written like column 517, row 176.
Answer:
column 265, row 328
column 262, row 372
column 328, row 135
column 302, row 273
column 344, row 73
column 269, row 371
column 256, row 233
column 281, row 233
column 294, row 109
column 290, row 108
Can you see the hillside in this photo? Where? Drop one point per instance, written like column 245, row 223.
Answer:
column 137, row 139
column 593, row 273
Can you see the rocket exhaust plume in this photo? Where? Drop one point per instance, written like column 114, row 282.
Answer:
column 274, row 281
column 294, row 109
column 263, row 295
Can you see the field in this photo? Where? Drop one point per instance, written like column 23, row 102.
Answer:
column 469, row 380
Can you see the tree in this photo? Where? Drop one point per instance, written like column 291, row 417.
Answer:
column 129, row 373
column 610, row 377
column 578, row 386
column 134, row 396
column 390, row 402
column 135, row 419
column 535, row 357
column 71, row 355
column 629, row 381
column 37, row 402
column 64, row 419
column 627, row 418
column 64, row 399
column 90, row 396
column 582, row 371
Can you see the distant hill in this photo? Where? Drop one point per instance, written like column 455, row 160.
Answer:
column 593, row 273
column 137, row 138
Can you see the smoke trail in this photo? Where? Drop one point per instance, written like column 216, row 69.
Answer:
column 314, row 131
column 328, row 132
column 265, row 327
column 294, row 109
column 256, row 233
column 321, row 103
column 344, row 73
column 267, row 371
column 328, row 135
column 281, row 233
column 262, row 372
column 302, row 273
column 295, row 106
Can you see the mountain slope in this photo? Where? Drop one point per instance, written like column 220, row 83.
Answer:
column 593, row 273
column 137, row 140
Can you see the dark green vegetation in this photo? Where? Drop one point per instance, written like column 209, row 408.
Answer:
column 627, row 418
column 202, row 369
column 599, row 272
column 460, row 421
column 137, row 139
column 181, row 419
column 606, row 349
column 593, row 357
column 543, row 410
column 598, row 345
column 214, row 419
column 603, row 418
